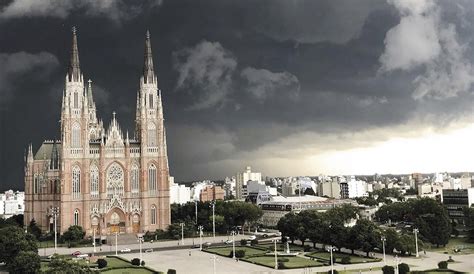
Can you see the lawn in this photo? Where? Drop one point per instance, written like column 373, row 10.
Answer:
column 338, row 256
column 225, row 251
column 454, row 243
column 294, row 262
column 128, row 270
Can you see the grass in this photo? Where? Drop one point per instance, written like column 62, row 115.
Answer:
column 115, row 262
column 338, row 257
column 128, row 270
column 225, row 251
column 294, row 262
column 281, row 247
column 454, row 243
column 357, row 271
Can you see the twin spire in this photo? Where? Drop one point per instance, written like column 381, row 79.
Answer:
column 74, row 70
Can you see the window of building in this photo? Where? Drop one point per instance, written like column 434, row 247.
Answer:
column 152, row 178
column 115, row 180
column 76, row 183
column 94, row 181
column 135, row 180
column 151, row 135
column 76, row 217
column 36, row 184
column 153, row 215
column 150, row 100
column 76, row 135
column 76, row 100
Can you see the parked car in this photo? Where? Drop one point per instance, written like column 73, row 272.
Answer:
column 208, row 244
column 76, row 253
column 149, row 250
column 125, row 250
column 253, row 237
column 82, row 256
column 228, row 242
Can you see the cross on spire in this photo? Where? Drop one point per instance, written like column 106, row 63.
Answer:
column 148, row 71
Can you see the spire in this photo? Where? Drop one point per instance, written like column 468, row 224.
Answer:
column 90, row 99
column 148, row 73
column 74, row 71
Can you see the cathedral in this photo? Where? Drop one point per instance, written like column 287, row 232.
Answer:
column 97, row 177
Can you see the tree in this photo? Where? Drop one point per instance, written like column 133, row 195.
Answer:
column 443, row 265
column 135, row 261
column 34, row 229
column 315, row 228
column 74, row 233
column 60, row 264
column 388, row 269
column 25, row 262
column 366, row 235
column 13, row 240
column 392, row 240
column 403, row 268
column 406, row 244
column 287, row 226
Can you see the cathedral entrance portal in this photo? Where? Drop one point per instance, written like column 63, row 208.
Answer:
column 115, row 221
column 136, row 223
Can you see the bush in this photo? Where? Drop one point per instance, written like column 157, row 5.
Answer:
column 243, row 242
column 101, row 263
column 306, row 248
column 281, row 265
column 403, row 268
column 346, row 260
column 450, row 260
column 240, row 253
column 443, row 265
column 143, row 263
column 171, row 271
column 283, row 260
column 332, row 272
column 388, row 269
column 135, row 261
column 254, row 242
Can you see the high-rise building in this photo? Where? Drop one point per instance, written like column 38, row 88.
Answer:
column 242, row 178
column 99, row 178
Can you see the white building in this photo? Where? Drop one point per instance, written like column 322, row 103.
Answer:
column 12, row 203
column 242, row 178
column 357, row 188
column 179, row 194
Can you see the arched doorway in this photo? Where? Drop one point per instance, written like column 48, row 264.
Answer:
column 115, row 221
column 136, row 223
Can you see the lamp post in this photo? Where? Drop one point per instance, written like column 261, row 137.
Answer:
column 196, row 210
column 214, row 219
column 93, row 240
column 276, row 254
column 397, row 262
column 214, row 259
column 55, row 212
column 383, row 248
column 116, row 247
column 140, row 241
column 416, row 241
column 182, row 233
column 331, row 248
column 200, row 237
column 233, row 244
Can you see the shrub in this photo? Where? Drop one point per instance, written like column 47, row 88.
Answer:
column 450, row 260
column 281, row 265
column 306, row 248
column 171, row 271
column 240, row 253
column 346, row 260
column 243, row 242
column 388, row 269
column 332, row 272
column 283, row 260
column 443, row 265
column 254, row 242
column 135, row 261
column 143, row 263
column 101, row 263
column 403, row 268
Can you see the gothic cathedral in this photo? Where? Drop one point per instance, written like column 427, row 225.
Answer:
column 96, row 178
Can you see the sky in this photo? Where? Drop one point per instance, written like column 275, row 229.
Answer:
column 289, row 87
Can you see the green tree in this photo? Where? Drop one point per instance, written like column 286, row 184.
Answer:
column 406, row 244
column 388, row 269
column 59, row 264
column 34, row 229
column 25, row 262
column 13, row 240
column 366, row 235
column 287, row 226
column 74, row 233
column 403, row 268
column 391, row 240
column 315, row 228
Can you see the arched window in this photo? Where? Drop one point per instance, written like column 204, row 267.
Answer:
column 94, row 181
column 76, row 182
column 36, row 184
column 150, row 100
column 76, row 135
column 57, row 187
column 153, row 215
column 135, row 180
column 151, row 135
column 76, row 217
column 115, row 180
column 152, row 178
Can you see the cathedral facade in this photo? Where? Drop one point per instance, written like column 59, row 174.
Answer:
column 99, row 178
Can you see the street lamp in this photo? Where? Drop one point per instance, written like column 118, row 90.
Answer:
column 182, row 233
column 331, row 249
column 196, row 210
column 200, row 237
column 213, row 219
column 233, row 244
column 214, row 259
column 276, row 256
column 140, row 241
column 116, row 247
column 93, row 240
column 397, row 262
column 383, row 248
column 416, row 241
column 55, row 212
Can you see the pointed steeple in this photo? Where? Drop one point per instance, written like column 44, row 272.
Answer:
column 74, row 70
column 90, row 99
column 148, row 72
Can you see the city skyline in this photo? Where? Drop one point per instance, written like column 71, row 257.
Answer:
column 377, row 87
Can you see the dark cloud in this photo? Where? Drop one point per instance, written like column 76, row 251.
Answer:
column 244, row 82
